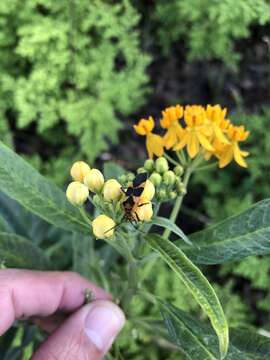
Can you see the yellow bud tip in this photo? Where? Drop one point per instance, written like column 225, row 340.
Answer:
column 112, row 190
column 149, row 190
column 94, row 180
column 77, row 193
column 103, row 226
column 79, row 170
column 145, row 211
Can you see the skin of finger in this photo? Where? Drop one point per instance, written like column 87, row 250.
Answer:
column 25, row 293
column 69, row 341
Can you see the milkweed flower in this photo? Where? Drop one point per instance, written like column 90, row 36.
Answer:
column 112, row 190
column 154, row 142
column 226, row 153
column 197, row 132
column 170, row 121
column 77, row 193
column 94, row 180
column 79, row 170
column 215, row 116
column 103, row 226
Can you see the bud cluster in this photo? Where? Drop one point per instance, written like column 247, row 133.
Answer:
column 168, row 183
column 108, row 197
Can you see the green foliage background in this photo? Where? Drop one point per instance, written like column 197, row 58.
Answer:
column 72, row 73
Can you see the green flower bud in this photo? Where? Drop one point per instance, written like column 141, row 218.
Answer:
column 180, row 187
column 172, row 195
column 169, row 177
column 178, row 170
column 162, row 165
column 155, row 178
column 161, row 194
column 141, row 170
column 130, row 176
column 149, row 165
column 122, row 179
column 97, row 200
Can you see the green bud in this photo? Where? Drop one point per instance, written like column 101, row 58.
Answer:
column 180, row 187
column 172, row 195
column 169, row 177
column 130, row 176
column 161, row 195
column 97, row 200
column 155, row 178
column 141, row 170
column 162, row 165
column 122, row 179
column 149, row 165
column 178, row 170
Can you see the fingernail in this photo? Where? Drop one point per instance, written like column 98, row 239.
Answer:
column 103, row 323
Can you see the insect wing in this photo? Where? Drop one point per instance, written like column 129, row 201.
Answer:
column 140, row 179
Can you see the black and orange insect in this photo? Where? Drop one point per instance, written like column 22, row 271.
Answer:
column 133, row 193
column 131, row 203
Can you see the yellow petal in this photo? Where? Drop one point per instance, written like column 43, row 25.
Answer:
column 170, row 138
column 238, row 156
column 204, row 142
column 154, row 145
column 220, row 136
column 193, row 145
column 225, row 158
column 182, row 143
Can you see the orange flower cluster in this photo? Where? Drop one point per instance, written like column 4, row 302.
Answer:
column 199, row 130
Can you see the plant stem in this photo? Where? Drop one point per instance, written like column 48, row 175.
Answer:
column 168, row 157
column 207, row 167
column 178, row 202
column 85, row 217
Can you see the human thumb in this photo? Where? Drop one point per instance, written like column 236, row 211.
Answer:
column 86, row 334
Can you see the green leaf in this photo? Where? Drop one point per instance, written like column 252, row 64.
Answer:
column 245, row 234
column 196, row 283
column 16, row 251
column 112, row 170
column 23, row 183
column 198, row 341
column 168, row 224
column 184, row 335
column 4, row 225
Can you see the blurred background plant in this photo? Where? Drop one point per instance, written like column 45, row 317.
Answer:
column 75, row 75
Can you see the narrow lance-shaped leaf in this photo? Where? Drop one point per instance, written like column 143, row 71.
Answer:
column 168, row 224
column 197, row 339
column 239, row 236
column 16, row 251
column 23, row 183
column 196, row 283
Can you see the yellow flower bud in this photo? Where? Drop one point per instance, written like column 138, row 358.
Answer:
column 155, row 178
column 103, row 227
column 112, row 190
column 145, row 212
column 149, row 190
column 94, row 180
column 78, row 170
column 77, row 193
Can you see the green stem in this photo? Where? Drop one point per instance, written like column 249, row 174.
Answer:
column 178, row 202
column 83, row 213
column 168, row 157
column 207, row 167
